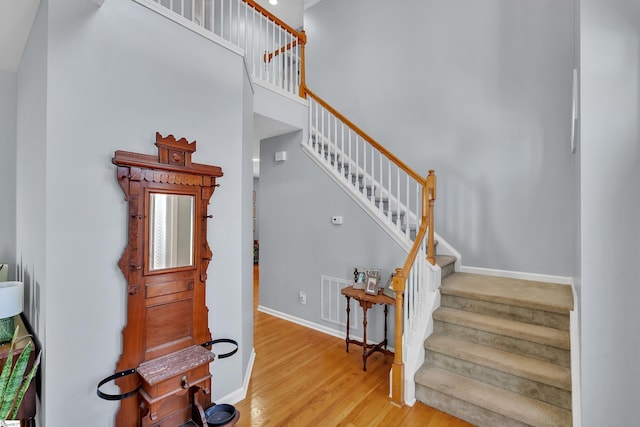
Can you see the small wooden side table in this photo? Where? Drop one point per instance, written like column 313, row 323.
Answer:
column 367, row 301
column 27, row 412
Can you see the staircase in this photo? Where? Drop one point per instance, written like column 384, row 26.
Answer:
column 500, row 352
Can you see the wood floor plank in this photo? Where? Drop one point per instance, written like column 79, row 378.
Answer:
column 302, row 377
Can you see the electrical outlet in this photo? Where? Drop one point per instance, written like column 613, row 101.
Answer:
column 303, row 298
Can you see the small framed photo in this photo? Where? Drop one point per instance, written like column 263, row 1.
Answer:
column 371, row 284
column 359, row 277
column 388, row 289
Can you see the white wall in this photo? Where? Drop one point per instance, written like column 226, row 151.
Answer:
column 610, row 62
column 94, row 80
column 8, row 111
column 480, row 91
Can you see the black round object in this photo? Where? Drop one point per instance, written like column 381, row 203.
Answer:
column 219, row 415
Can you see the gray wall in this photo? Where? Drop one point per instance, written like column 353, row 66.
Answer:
column 480, row 91
column 256, row 188
column 610, row 61
column 95, row 80
column 8, row 111
column 298, row 243
column 30, row 181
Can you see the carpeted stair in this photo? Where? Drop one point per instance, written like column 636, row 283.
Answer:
column 500, row 352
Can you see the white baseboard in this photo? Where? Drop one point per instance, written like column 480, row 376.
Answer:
column 315, row 326
column 563, row 280
column 576, row 383
column 239, row 394
column 303, row 322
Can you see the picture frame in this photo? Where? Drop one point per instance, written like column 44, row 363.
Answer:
column 359, row 277
column 371, row 284
column 388, row 288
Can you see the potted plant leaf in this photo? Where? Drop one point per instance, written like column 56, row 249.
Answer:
column 13, row 382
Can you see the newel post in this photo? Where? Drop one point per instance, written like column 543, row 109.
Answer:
column 431, row 196
column 397, row 369
column 303, row 83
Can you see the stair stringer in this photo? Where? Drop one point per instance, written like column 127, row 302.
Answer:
column 361, row 200
column 393, row 229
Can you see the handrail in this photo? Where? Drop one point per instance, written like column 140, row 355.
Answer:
column 400, row 280
column 283, row 49
column 274, row 18
column 396, row 197
column 367, row 138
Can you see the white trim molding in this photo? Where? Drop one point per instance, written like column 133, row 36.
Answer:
column 562, row 280
column 239, row 394
column 314, row 326
column 190, row 25
column 576, row 383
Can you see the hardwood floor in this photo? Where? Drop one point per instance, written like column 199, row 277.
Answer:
column 302, row 377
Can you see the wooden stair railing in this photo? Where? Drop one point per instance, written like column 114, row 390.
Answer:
column 301, row 38
column 400, row 280
column 249, row 26
column 428, row 196
column 365, row 136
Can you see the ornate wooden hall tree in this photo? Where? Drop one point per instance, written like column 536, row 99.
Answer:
column 165, row 265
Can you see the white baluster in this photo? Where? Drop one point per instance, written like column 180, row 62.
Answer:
column 398, row 193
column 230, row 19
column 353, row 169
column 274, row 59
column 357, row 163
column 298, row 66
column 213, row 15
column 260, row 50
column 321, row 142
column 335, row 142
column 345, row 165
column 373, row 167
column 380, row 177
column 253, row 41
column 317, row 106
column 222, row 18
column 407, row 203
column 389, row 186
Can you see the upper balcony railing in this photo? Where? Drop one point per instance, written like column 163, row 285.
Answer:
column 273, row 50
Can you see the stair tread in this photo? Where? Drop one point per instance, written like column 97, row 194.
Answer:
column 498, row 400
column 444, row 260
column 500, row 360
column 524, row 293
column 525, row 331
